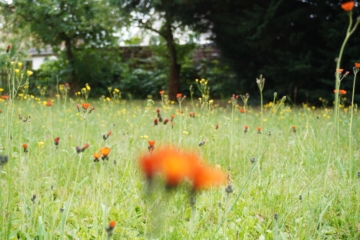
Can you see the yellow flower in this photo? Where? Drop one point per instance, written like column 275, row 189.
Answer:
column 88, row 87
column 1, row 89
column 29, row 73
column 41, row 144
column 17, row 70
column 19, row 64
column 12, row 63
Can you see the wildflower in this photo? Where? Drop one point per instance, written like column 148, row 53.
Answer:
column 8, row 49
column 19, row 64
column 294, row 129
column 79, row 149
column 86, row 145
column 110, row 228
column 17, row 70
column 96, row 156
column 48, row 103
column 162, row 92
column 178, row 96
column 356, row 68
column 206, row 177
column 156, row 121
column 85, row 106
column 348, row 6
column 166, row 121
column 217, row 126
column 25, row 147
column 339, row 70
column 29, row 73
column 172, row 117
column 91, row 109
column 246, row 129
column 107, row 135
column 202, row 143
column 192, row 114
column 105, row 152
column 56, row 142
column 40, row 144
column 5, row 97
column 78, row 107
column 259, row 130
column 341, row 92
column 242, row 110
column 1, row 89
column 151, row 145
column 158, row 110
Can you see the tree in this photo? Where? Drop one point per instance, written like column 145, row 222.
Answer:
column 147, row 15
column 76, row 24
column 293, row 43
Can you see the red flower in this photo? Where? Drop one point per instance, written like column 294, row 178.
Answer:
column 86, row 145
column 112, row 224
column 25, row 147
column 348, row 6
column 8, row 49
column 166, row 121
column 192, row 114
column 156, row 121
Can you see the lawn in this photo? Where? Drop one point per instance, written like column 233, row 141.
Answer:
column 295, row 178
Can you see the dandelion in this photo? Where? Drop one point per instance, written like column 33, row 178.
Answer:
column 56, row 142
column 105, row 152
column 246, row 129
column 151, row 145
column 25, row 147
column 348, row 6
column 17, row 70
column 29, row 73
column 96, row 157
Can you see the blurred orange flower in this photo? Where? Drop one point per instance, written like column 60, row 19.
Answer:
column 341, row 92
column 206, row 177
column 97, row 155
column 49, row 103
column 178, row 95
column 242, row 110
column 162, row 92
column 5, row 97
column 348, row 6
column 85, row 105
column 112, row 224
column 357, row 65
column 151, row 143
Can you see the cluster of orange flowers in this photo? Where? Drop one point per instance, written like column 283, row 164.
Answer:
column 104, row 154
column 176, row 166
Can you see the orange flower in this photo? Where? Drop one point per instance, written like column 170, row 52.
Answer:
column 105, row 151
column 192, row 114
column 339, row 70
column 85, row 105
column 162, row 92
column 25, row 146
column 56, row 141
column 112, row 224
column 5, row 97
column 246, row 127
column 86, row 145
column 341, row 92
column 97, row 155
column 172, row 116
column 348, row 6
column 259, row 129
column 242, row 110
column 151, row 143
column 357, row 65
column 206, row 177
column 49, row 103
column 178, row 95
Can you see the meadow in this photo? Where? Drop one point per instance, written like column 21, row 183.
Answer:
column 290, row 173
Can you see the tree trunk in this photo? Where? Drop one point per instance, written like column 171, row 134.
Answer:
column 70, row 57
column 174, row 80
